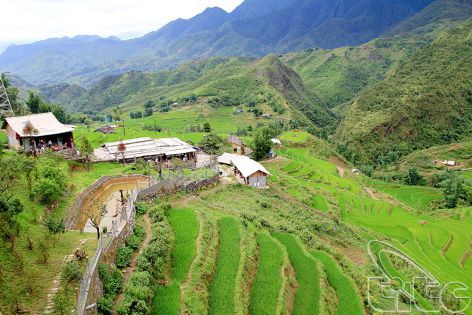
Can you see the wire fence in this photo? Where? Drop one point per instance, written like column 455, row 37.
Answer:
column 118, row 231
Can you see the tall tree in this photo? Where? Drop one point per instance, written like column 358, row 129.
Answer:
column 34, row 102
column 262, row 142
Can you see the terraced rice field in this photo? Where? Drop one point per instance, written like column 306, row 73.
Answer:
column 223, row 285
column 349, row 302
column 307, row 293
column 414, row 196
column 268, row 283
column 441, row 245
column 184, row 225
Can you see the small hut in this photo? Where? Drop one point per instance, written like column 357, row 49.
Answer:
column 253, row 173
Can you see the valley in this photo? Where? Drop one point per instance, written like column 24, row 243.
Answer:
column 288, row 157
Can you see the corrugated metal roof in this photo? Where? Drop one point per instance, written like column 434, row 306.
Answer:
column 45, row 123
column 141, row 147
column 245, row 165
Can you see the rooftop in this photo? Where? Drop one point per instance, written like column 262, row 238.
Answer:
column 245, row 165
column 46, row 124
column 141, row 147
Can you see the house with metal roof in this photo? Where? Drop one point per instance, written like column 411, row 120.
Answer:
column 146, row 148
column 38, row 130
column 250, row 171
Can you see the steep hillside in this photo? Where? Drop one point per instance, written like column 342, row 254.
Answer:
column 61, row 93
column 439, row 15
column 431, row 160
column 340, row 75
column 265, row 84
column 426, row 102
column 255, row 28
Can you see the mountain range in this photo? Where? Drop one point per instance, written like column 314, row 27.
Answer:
column 253, row 29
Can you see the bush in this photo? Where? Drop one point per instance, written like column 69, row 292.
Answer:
column 138, row 293
column 71, row 272
column 46, row 191
column 139, row 231
column 141, row 208
column 133, row 241
column 51, row 183
column 123, row 257
column 105, row 305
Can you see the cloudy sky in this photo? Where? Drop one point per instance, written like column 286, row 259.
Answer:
column 25, row 21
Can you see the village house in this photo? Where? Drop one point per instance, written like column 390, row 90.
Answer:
column 236, row 144
column 42, row 131
column 106, row 130
column 250, row 171
column 164, row 149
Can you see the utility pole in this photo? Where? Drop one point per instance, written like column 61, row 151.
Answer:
column 5, row 105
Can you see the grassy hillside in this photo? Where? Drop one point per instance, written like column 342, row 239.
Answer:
column 430, row 161
column 426, row 102
column 266, row 85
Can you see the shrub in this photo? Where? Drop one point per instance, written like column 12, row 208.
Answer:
column 71, row 272
column 133, row 241
column 141, row 208
column 112, row 280
column 105, row 305
column 138, row 293
column 46, row 191
column 123, row 257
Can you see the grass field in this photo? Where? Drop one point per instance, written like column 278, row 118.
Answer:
column 223, row 285
column 184, row 225
column 348, row 301
column 175, row 123
column 307, row 294
column 268, row 282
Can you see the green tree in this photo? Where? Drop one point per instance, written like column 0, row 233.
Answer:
column 34, row 102
column 453, row 189
column 262, row 142
column 212, row 143
column 149, row 104
column 28, row 166
column 207, row 127
column 55, row 227
column 116, row 113
column 86, row 150
column 10, row 172
column 148, row 112
column 414, row 178
column 10, row 208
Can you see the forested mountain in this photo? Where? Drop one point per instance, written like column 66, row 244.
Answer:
column 427, row 101
column 255, row 28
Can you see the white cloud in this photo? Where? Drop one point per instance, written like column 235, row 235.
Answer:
column 31, row 20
